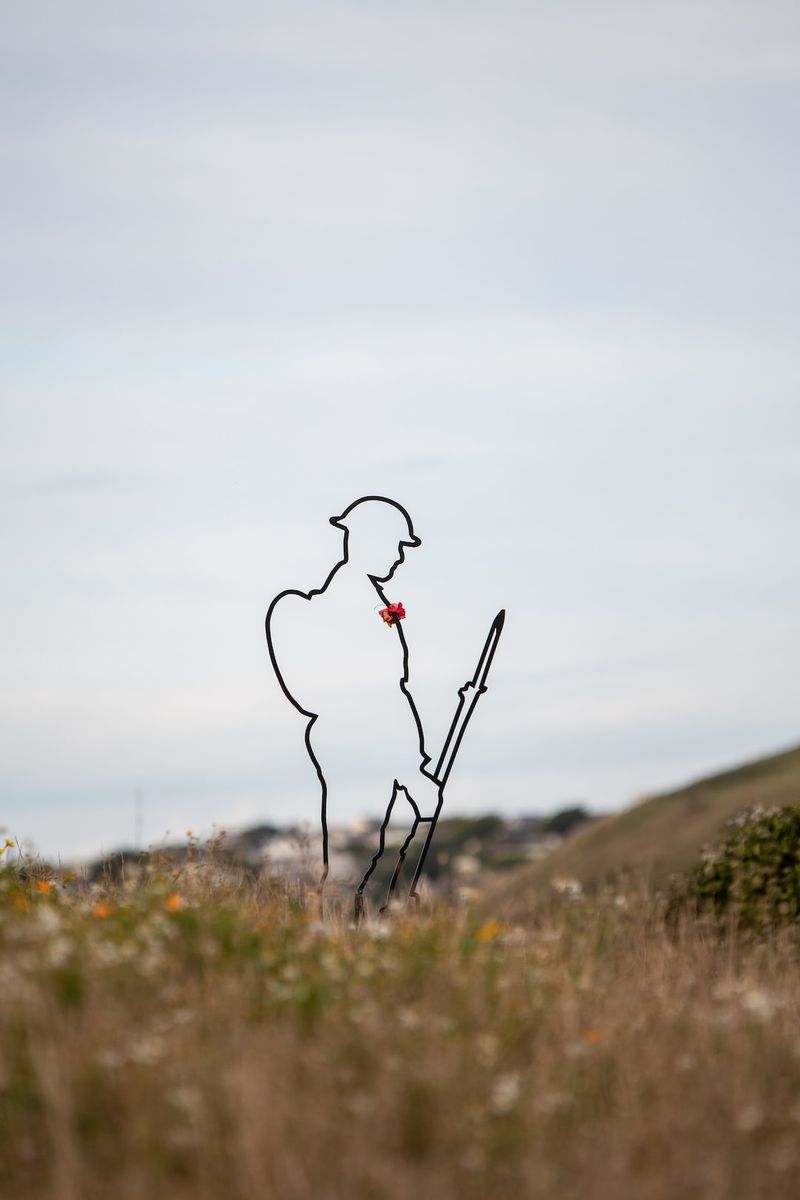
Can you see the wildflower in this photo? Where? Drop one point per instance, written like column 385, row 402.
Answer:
column 147, row 1050
column 393, row 613
column 101, row 910
column 466, row 864
column 9, row 844
column 568, row 887
column 44, row 885
column 105, row 954
column 505, row 1093
column 593, row 1036
column 488, row 931
column 759, row 1003
column 175, row 902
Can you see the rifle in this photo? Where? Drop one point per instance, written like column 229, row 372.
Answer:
column 468, row 697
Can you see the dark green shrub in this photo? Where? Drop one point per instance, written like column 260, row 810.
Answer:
column 751, row 879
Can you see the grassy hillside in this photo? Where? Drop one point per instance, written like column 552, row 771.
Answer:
column 660, row 835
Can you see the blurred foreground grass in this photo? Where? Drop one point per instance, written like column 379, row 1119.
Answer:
column 195, row 1034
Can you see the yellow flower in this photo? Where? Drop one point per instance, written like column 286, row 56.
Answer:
column 9, row 844
column 488, row 931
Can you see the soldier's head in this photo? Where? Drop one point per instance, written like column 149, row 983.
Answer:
column 376, row 533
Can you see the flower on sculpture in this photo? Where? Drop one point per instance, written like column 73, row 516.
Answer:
column 393, row 613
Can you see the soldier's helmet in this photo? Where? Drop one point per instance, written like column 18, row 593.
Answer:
column 376, row 516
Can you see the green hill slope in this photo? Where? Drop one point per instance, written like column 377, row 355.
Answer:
column 658, row 836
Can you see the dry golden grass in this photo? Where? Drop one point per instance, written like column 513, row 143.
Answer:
column 198, row 1036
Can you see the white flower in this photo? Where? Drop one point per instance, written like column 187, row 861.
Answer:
column 568, row 887
column 147, row 1051
column 759, row 1003
column 505, row 1093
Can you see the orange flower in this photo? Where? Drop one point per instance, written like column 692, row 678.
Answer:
column 44, row 885
column 101, row 911
column 593, row 1036
column 175, row 902
column 489, row 930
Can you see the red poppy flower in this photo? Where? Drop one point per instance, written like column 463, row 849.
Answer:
column 395, row 612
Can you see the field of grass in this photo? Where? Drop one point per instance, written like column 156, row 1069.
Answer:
column 659, row 836
column 195, row 1035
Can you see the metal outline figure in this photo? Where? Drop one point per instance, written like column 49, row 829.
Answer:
column 469, row 695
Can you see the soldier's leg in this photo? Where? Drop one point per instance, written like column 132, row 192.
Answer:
column 312, row 749
column 424, row 796
column 401, row 858
column 396, row 820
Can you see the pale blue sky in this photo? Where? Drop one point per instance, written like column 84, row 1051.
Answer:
column 531, row 268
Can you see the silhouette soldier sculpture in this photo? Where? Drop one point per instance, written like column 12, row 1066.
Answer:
column 337, row 625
